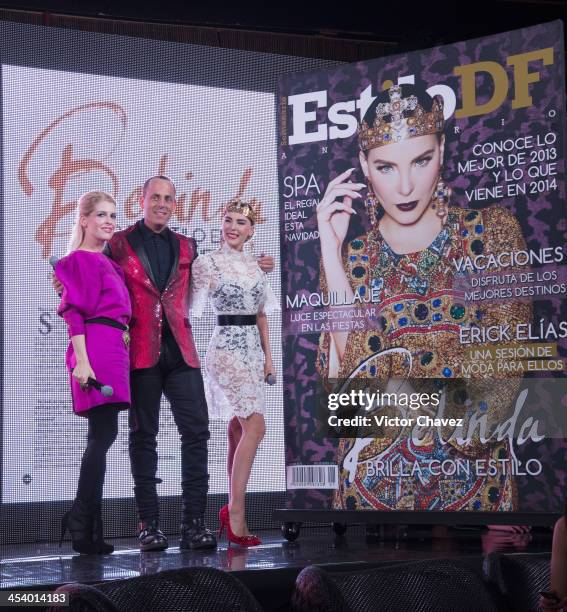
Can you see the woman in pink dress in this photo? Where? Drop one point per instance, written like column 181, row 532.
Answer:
column 95, row 305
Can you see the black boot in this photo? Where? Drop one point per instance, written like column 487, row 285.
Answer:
column 79, row 522
column 150, row 536
column 103, row 547
column 196, row 536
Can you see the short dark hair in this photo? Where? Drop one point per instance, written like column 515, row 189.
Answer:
column 157, row 176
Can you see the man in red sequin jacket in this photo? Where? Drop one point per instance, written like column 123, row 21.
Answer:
column 157, row 267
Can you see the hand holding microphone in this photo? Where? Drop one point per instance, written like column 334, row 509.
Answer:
column 105, row 390
column 57, row 284
column 84, row 375
column 269, row 376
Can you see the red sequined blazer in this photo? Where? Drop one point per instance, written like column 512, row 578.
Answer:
column 148, row 305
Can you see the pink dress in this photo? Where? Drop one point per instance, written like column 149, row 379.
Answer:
column 93, row 287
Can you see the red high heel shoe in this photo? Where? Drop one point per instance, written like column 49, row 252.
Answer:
column 247, row 541
column 223, row 518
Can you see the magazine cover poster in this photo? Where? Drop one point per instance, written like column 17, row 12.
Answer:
column 422, row 203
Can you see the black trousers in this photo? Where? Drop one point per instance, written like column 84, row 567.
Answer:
column 103, row 427
column 183, row 387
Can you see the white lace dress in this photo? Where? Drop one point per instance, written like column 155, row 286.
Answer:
column 234, row 363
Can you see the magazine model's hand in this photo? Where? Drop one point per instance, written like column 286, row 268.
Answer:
column 335, row 209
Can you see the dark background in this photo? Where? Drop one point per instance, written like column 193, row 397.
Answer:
column 340, row 30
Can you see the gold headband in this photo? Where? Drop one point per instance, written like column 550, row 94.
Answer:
column 242, row 208
column 398, row 127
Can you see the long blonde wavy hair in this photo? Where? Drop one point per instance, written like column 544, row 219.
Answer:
column 85, row 206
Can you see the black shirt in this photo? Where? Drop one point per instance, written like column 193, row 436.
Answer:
column 160, row 253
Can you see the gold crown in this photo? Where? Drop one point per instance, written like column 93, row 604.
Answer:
column 419, row 123
column 242, row 208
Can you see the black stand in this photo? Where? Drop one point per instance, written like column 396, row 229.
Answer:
column 293, row 519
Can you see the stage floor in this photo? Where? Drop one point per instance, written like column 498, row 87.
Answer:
column 47, row 566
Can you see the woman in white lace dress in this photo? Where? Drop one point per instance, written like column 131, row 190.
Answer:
column 238, row 358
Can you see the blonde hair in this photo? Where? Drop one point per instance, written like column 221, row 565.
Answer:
column 85, row 206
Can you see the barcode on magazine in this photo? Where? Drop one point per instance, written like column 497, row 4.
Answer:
column 312, row 477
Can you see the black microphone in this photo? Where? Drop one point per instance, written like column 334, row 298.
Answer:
column 106, row 390
column 271, row 379
column 53, row 262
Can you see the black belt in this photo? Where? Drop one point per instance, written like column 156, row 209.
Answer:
column 236, row 320
column 107, row 321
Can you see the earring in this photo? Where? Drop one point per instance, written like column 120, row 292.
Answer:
column 371, row 202
column 441, row 198
column 250, row 241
